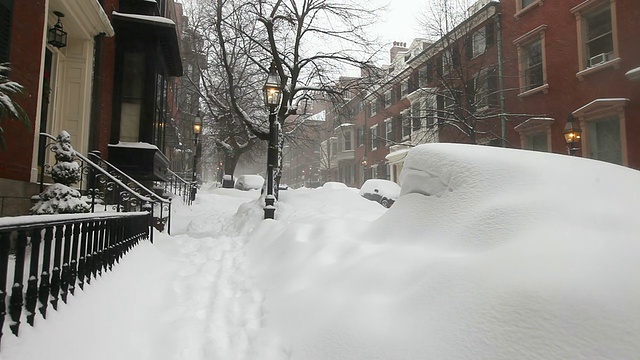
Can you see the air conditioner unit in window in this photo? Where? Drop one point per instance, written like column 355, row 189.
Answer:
column 599, row 59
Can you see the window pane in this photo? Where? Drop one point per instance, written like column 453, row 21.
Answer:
column 526, row 3
column 537, row 142
column 604, row 140
column 533, row 72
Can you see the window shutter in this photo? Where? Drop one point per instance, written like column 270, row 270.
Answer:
column 468, row 47
column 6, row 9
column 429, row 72
column 455, row 55
column 439, row 65
column 470, row 91
column 488, row 33
column 413, row 82
column 492, row 86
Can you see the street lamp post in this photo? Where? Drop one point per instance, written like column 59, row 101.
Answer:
column 197, row 129
column 572, row 135
column 272, row 96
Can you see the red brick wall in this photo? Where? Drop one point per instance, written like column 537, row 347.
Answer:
column 25, row 55
column 566, row 92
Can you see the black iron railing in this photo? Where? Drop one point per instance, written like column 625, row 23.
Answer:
column 181, row 187
column 109, row 189
column 51, row 254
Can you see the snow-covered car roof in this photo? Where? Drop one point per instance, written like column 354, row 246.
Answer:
column 386, row 188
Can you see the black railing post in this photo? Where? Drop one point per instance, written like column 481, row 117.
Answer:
column 32, row 287
column 45, row 286
column 82, row 262
column 55, row 274
column 16, row 299
column 74, row 258
column 5, row 239
column 66, row 271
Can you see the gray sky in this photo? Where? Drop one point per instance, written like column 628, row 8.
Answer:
column 399, row 23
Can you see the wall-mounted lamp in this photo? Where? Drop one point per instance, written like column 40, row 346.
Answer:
column 56, row 36
column 572, row 135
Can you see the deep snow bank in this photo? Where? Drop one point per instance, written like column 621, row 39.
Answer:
column 488, row 254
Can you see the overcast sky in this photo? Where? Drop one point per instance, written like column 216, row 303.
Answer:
column 400, row 22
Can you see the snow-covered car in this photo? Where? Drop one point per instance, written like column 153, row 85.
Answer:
column 383, row 191
column 249, row 182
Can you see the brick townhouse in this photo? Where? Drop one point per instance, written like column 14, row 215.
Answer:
column 77, row 82
column 574, row 60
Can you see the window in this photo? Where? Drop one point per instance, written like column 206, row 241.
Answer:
column 388, row 126
column 537, row 142
column 346, row 134
column 429, row 109
column 416, row 115
column 525, row 3
column 532, row 64
column 360, row 136
column 406, row 125
column 597, row 35
column 387, row 98
column 481, row 91
column 374, row 137
column 523, row 6
column 603, row 140
column 334, row 147
column 373, row 108
column 404, row 89
column 374, row 171
column 479, row 42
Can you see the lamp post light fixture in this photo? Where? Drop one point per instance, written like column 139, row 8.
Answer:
column 56, row 36
column 197, row 129
column 272, row 97
column 572, row 135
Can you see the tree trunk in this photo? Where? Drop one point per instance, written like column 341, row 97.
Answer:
column 230, row 162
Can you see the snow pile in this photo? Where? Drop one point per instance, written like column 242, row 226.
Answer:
column 487, row 254
column 385, row 188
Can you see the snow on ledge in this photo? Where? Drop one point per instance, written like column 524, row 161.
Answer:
column 135, row 145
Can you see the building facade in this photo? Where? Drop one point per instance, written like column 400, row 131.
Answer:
column 77, row 83
column 571, row 61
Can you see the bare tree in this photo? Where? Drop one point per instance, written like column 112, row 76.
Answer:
column 463, row 93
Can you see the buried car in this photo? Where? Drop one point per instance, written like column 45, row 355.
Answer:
column 383, row 191
column 249, row 182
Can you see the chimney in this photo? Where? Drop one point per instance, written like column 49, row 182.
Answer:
column 396, row 48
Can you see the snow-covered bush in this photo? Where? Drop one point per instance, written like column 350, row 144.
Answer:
column 60, row 198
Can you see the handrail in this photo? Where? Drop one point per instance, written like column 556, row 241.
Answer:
column 153, row 194
column 105, row 173
column 187, row 196
column 145, row 201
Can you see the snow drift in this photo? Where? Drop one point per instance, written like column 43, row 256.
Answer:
column 488, row 253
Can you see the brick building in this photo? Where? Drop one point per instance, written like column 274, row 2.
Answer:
column 570, row 58
column 77, row 84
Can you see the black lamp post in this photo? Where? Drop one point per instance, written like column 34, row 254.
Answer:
column 197, row 129
column 572, row 135
column 272, row 97
column 56, row 36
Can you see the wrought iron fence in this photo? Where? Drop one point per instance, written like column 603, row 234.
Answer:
column 54, row 254
column 181, row 187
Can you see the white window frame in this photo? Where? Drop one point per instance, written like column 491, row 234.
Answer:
column 520, row 9
column 374, row 137
column 388, row 131
column 405, row 117
column 387, row 98
column 373, row 108
column 581, row 13
column 522, row 43
column 479, row 42
column 404, row 89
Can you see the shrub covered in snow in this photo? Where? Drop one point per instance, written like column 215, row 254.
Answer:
column 60, row 198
